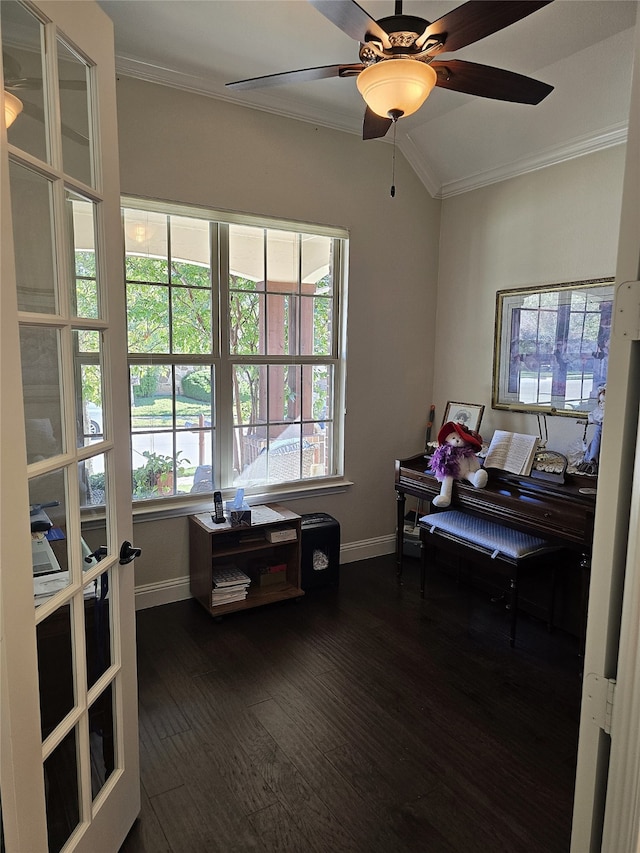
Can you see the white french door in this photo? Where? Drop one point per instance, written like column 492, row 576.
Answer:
column 607, row 797
column 68, row 702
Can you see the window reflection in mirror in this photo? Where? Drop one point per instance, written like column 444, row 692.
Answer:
column 552, row 347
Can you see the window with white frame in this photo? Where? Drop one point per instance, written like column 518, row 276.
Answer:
column 235, row 351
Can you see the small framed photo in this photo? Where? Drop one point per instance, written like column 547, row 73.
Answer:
column 467, row 414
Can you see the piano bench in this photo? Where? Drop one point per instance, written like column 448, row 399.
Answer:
column 502, row 549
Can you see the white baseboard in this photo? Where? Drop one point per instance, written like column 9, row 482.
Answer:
column 367, row 548
column 177, row 589
column 164, row 592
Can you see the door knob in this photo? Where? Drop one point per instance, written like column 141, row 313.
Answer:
column 128, row 553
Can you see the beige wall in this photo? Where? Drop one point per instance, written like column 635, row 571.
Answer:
column 552, row 225
column 188, row 148
column 557, row 224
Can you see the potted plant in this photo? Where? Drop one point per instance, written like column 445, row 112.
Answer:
column 156, row 475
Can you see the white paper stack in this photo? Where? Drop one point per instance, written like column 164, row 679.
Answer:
column 229, row 584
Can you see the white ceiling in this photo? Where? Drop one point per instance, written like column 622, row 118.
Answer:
column 455, row 142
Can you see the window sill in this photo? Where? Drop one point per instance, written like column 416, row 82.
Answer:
column 190, row 504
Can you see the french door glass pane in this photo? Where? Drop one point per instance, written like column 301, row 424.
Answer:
column 81, row 220
column 102, row 740
column 62, row 791
column 73, row 78
column 98, row 627
column 87, row 352
column 31, row 208
column 49, row 543
column 93, row 485
column 40, row 355
column 23, row 60
column 55, row 668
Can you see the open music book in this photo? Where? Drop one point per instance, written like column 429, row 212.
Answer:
column 512, row 451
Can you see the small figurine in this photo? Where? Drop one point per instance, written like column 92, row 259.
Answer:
column 455, row 459
column 589, row 464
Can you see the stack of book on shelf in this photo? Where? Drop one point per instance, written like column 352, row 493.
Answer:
column 512, row 451
column 229, row 584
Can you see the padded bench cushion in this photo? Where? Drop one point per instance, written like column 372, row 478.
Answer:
column 488, row 536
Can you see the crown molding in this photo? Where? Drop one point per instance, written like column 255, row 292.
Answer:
column 420, row 165
column 128, row 67
column 578, row 147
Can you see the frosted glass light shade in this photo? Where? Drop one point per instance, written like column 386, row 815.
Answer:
column 396, row 84
column 12, row 108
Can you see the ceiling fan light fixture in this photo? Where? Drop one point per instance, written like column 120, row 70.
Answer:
column 12, row 108
column 396, row 86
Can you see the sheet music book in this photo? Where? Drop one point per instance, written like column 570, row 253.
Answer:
column 512, row 451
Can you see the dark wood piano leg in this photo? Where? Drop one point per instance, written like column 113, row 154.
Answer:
column 513, row 583
column 400, row 505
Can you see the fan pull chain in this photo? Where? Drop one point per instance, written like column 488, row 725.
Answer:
column 393, row 163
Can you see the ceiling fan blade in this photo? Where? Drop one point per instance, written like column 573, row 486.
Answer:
column 36, row 83
column 374, row 126
column 352, row 20
column 475, row 20
column 301, row 76
column 74, row 85
column 37, row 113
column 488, row 82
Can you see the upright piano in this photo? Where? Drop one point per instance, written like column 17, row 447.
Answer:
column 561, row 512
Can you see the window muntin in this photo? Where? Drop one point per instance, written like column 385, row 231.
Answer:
column 243, row 313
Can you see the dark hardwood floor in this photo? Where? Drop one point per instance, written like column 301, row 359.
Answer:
column 357, row 719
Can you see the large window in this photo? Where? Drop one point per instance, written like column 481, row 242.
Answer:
column 235, row 352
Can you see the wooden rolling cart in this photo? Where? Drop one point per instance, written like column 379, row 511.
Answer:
column 213, row 546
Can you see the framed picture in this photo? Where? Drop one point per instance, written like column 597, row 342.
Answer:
column 467, row 414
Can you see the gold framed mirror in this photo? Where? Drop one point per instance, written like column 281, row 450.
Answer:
column 551, row 348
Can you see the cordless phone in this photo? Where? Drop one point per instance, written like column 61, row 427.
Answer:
column 218, row 516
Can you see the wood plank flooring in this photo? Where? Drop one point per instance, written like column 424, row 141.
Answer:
column 357, row 720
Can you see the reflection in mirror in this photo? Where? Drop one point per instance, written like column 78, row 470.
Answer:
column 552, row 347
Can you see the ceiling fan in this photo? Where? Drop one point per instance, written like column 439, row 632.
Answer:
column 15, row 83
column 398, row 69
column 14, row 80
